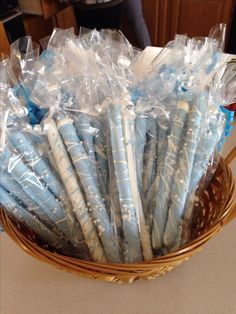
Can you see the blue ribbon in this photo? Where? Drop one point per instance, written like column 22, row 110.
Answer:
column 35, row 114
column 229, row 115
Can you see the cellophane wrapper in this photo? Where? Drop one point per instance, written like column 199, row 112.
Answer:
column 102, row 164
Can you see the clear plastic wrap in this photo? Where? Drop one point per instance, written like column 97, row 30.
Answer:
column 191, row 123
column 104, row 165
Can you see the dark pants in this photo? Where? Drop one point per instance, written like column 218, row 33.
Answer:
column 99, row 16
column 134, row 12
column 103, row 16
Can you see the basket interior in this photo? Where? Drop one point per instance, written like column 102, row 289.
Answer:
column 210, row 207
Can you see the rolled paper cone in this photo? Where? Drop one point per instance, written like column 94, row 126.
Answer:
column 14, row 188
column 41, row 144
column 163, row 129
column 26, row 218
column 103, row 172
column 141, row 124
column 13, row 163
column 35, row 189
column 113, row 192
column 106, row 176
column 95, row 201
column 70, row 182
column 85, row 132
column 108, row 171
column 129, row 141
column 24, row 145
column 101, row 159
column 160, row 202
column 112, row 189
column 100, row 149
column 128, row 212
column 180, row 186
column 203, row 154
column 204, row 151
column 150, row 157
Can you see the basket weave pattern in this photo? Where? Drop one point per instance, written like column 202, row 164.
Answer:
column 214, row 208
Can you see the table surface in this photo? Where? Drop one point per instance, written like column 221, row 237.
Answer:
column 204, row 284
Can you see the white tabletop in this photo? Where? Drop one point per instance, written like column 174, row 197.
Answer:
column 205, row 284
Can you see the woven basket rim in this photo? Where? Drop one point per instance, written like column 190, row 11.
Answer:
column 124, row 273
column 229, row 205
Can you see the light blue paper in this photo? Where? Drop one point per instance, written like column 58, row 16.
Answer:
column 89, row 182
column 180, row 186
column 129, row 218
column 161, row 201
column 22, row 215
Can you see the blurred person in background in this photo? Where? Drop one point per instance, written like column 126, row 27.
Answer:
column 98, row 13
column 133, row 10
column 108, row 14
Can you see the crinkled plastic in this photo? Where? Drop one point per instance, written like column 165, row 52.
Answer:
column 104, row 165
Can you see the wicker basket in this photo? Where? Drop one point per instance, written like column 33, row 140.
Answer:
column 215, row 209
